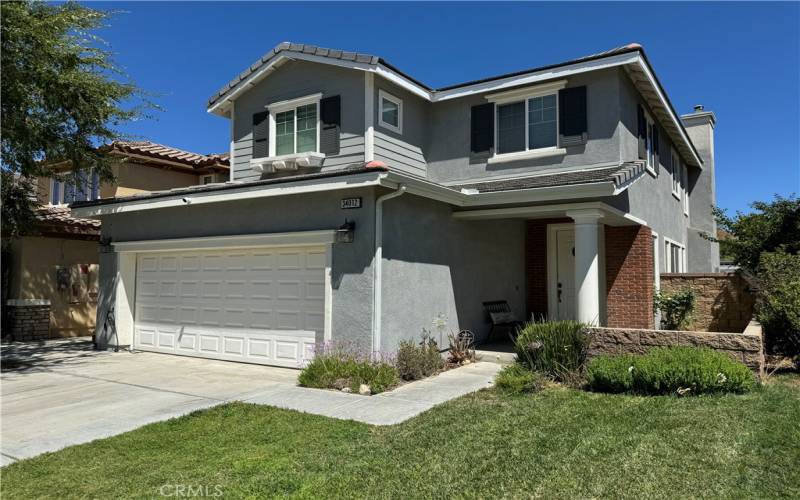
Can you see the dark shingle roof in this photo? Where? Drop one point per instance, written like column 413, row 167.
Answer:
column 370, row 59
column 620, row 175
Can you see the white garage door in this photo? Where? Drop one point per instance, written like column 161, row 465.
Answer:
column 257, row 305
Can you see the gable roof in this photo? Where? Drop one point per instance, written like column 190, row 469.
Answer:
column 631, row 57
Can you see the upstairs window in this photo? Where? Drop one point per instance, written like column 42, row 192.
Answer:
column 676, row 175
column 390, row 112
column 685, row 184
column 528, row 125
column 651, row 144
column 295, row 126
column 83, row 186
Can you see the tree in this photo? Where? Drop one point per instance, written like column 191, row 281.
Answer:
column 62, row 96
column 772, row 227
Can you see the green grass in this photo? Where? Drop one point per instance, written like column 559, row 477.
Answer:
column 559, row 443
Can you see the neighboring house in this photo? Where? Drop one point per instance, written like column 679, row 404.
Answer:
column 53, row 273
column 363, row 204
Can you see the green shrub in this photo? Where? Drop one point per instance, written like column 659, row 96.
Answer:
column 416, row 361
column 518, row 379
column 611, row 373
column 337, row 369
column 676, row 308
column 778, row 302
column 670, row 370
column 555, row 348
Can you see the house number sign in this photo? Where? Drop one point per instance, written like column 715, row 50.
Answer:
column 351, row 203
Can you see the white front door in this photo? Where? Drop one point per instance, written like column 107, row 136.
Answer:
column 565, row 274
column 261, row 305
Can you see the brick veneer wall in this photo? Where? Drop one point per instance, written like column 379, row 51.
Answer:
column 745, row 347
column 724, row 301
column 629, row 277
column 29, row 322
column 536, row 265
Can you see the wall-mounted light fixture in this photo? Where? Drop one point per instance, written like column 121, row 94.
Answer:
column 346, row 232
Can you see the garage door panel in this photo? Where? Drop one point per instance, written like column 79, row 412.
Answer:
column 259, row 305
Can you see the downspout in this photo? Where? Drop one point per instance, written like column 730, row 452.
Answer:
column 377, row 266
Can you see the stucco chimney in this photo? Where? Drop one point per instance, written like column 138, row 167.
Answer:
column 703, row 255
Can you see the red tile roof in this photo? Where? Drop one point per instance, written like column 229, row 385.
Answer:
column 162, row 152
column 60, row 220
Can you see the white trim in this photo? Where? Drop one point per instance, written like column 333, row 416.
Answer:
column 538, row 76
column 403, row 82
column 684, row 185
column 611, row 215
column 369, row 117
column 675, row 164
column 382, row 94
column 232, row 145
column 292, row 105
column 681, row 267
column 649, row 149
column 328, row 327
column 298, row 238
column 527, row 92
column 524, row 96
column 528, row 154
column 245, row 193
column 288, row 104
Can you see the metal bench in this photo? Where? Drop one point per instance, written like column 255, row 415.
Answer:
column 501, row 316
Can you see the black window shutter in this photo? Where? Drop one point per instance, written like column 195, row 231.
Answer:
column 572, row 111
column 642, row 133
column 331, row 118
column 261, row 134
column 656, row 152
column 482, row 127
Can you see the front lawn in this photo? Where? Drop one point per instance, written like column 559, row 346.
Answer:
column 557, row 443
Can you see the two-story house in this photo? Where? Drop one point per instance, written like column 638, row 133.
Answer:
column 52, row 273
column 363, row 204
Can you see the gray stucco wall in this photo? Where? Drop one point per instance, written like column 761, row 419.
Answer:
column 434, row 264
column 405, row 151
column 352, row 262
column 649, row 198
column 448, row 149
column 704, row 254
column 297, row 79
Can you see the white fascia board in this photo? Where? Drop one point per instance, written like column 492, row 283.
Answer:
column 560, row 209
column 403, row 82
column 675, row 119
column 299, row 238
column 245, row 193
column 538, row 76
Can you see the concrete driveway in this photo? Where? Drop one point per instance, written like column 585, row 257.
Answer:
column 60, row 393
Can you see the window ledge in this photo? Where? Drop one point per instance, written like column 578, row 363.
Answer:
column 677, row 196
column 651, row 170
column 286, row 162
column 526, row 155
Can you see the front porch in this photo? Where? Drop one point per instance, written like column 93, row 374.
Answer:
column 584, row 261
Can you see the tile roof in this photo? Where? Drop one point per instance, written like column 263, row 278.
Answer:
column 162, row 152
column 374, row 60
column 60, row 220
column 620, row 175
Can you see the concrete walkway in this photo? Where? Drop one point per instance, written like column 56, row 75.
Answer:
column 61, row 393
column 387, row 408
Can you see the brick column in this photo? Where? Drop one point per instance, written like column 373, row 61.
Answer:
column 29, row 319
column 629, row 277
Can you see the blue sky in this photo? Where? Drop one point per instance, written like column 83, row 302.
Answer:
column 740, row 60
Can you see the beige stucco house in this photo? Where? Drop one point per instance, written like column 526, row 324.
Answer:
column 51, row 275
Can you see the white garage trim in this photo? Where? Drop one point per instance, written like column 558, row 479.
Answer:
column 127, row 256
column 299, row 238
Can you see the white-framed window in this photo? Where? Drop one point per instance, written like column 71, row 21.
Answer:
column 656, row 262
column 526, row 122
column 676, row 174
column 650, row 145
column 685, row 185
column 390, row 112
column 85, row 186
column 675, row 256
column 294, row 126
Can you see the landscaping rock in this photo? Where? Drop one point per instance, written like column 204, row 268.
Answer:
column 364, row 390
